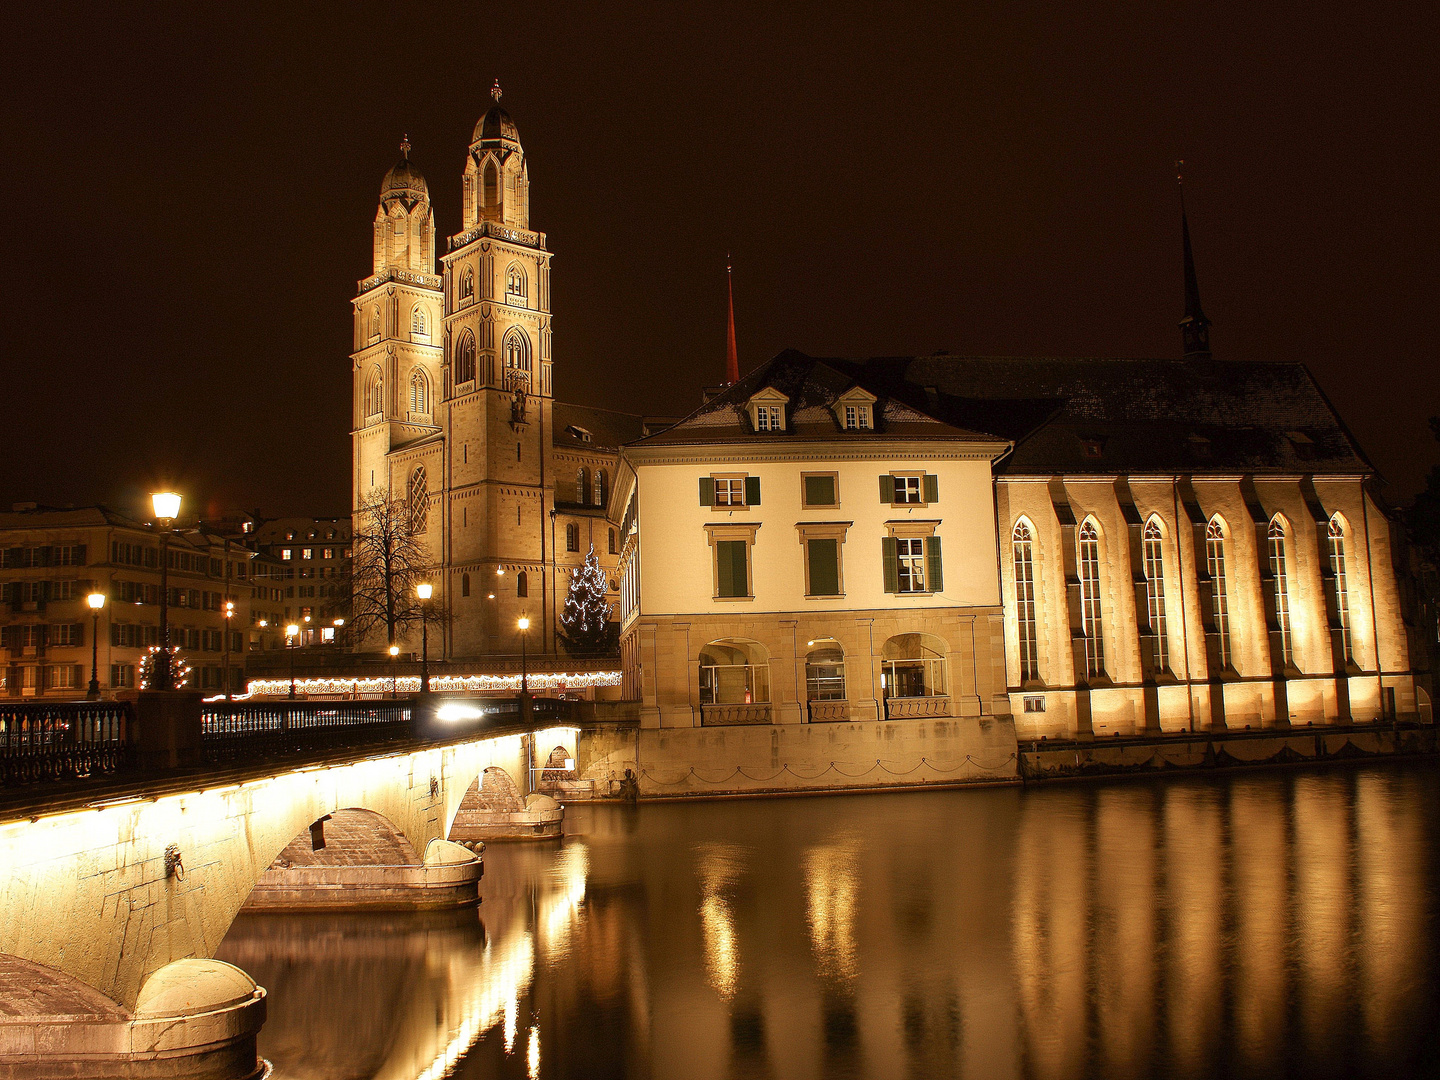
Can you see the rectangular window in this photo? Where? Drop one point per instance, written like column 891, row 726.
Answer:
column 327, row 553
column 62, row 677
column 1034, row 703
column 122, row 675
column 286, row 553
column 910, row 556
column 732, row 568
column 819, row 489
column 730, row 491
column 767, row 418
column 907, row 489
column 822, row 558
column 65, row 634
column 307, row 553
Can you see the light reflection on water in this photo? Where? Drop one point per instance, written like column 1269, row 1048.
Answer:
column 1269, row 924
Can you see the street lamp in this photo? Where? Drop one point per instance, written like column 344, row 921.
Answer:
column 292, row 635
column 229, row 614
column 424, row 591
column 523, row 624
column 96, row 600
column 394, row 669
column 166, row 505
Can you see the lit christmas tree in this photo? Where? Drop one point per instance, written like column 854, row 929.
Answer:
column 179, row 668
column 585, row 626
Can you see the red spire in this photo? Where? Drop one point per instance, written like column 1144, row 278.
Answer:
column 732, row 361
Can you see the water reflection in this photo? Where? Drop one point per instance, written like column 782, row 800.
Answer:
column 1257, row 925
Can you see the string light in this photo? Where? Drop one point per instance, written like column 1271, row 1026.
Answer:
column 410, row 684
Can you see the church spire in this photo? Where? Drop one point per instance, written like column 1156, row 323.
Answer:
column 732, row 360
column 1195, row 326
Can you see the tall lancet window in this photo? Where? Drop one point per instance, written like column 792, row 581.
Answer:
column 1280, row 577
column 1155, row 593
column 1090, row 614
column 467, row 285
column 374, row 394
column 419, row 393
column 1023, row 547
column 465, row 359
column 419, row 325
column 582, row 485
column 517, row 353
column 1219, row 597
column 1342, row 585
column 601, row 486
column 418, row 500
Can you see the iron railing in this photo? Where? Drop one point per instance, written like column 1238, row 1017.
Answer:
column 61, row 740
column 232, row 730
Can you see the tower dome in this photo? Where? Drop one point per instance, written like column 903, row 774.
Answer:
column 404, row 178
column 495, row 125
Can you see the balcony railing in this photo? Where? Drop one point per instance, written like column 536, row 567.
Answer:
column 61, row 740
column 824, row 712
column 232, row 730
column 725, row 715
column 905, row 708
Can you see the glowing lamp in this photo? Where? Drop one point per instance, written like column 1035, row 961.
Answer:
column 424, row 590
column 291, row 630
column 339, row 622
column 264, row 623
column 166, row 504
column 96, row 600
column 523, row 623
column 499, row 571
column 394, row 651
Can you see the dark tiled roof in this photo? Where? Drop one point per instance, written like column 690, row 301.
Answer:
column 1104, row 415
column 608, row 430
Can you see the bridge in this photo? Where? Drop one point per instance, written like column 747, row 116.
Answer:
column 132, row 834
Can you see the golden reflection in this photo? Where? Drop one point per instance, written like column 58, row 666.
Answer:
column 832, row 889
column 719, row 867
column 1392, row 853
column 1321, row 935
column 1260, row 905
column 561, row 901
column 512, row 1017
column 1194, row 864
column 532, row 1055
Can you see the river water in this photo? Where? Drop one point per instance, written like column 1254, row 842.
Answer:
column 1281, row 923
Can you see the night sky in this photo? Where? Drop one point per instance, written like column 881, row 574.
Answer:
column 192, row 189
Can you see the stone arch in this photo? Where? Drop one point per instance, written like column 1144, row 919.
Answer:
column 495, row 808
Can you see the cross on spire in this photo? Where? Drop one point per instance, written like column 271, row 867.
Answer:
column 495, row 90
column 405, row 146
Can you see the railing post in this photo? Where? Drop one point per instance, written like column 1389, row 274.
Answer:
column 167, row 731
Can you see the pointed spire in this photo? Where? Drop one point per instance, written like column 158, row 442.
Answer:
column 495, row 90
column 732, row 360
column 405, row 146
column 1195, row 326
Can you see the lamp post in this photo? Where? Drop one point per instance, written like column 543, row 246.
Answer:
column 424, row 591
column 229, row 614
column 394, row 669
column 96, row 600
column 166, row 505
column 292, row 635
column 523, row 624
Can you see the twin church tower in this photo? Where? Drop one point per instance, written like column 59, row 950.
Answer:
column 453, row 403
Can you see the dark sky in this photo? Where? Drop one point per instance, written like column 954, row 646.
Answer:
column 191, row 190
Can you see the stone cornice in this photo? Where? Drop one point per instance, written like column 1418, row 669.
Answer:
column 428, row 282
column 884, row 451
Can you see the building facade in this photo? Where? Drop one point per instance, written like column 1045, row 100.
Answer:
column 454, row 408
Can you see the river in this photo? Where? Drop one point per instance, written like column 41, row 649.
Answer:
column 1278, row 923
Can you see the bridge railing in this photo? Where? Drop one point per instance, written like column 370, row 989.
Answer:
column 62, row 740
column 239, row 730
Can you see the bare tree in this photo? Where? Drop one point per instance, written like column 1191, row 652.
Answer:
column 388, row 560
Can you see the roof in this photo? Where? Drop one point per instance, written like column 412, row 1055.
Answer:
column 812, row 388
column 82, row 517
column 404, row 177
column 495, row 124
column 608, row 430
column 1091, row 415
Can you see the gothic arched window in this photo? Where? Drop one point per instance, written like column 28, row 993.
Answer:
column 572, row 537
column 417, row 498
column 419, row 324
column 602, row 481
column 612, row 542
column 1338, row 569
column 1219, row 595
column 419, row 393
column 515, row 283
column 1091, row 618
column 1280, row 576
column 517, row 351
column 375, row 322
column 467, row 284
column 492, row 185
column 374, row 394
column 1023, row 550
column 522, row 584
column 1155, row 592
column 465, row 359
column 582, row 485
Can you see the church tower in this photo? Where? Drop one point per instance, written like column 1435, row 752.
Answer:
column 497, row 401
column 397, row 364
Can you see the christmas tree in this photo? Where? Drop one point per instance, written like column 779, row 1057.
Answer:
column 585, row 626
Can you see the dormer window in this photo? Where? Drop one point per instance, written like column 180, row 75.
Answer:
column 578, row 432
column 767, row 410
column 857, row 417
column 855, row 409
column 769, row 418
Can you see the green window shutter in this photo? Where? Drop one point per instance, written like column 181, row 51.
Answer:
column 707, row 491
column 824, row 567
column 752, row 491
column 730, row 564
column 887, row 488
column 891, row 559
column 932, row 488
column 742, row 579
column 933, row 568
column 820, row 490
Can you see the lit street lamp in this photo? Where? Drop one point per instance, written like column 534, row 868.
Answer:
column 292, row 635
column 394, row 669
column 424, row 591
column 167, row 508
column 96, row 600
column 523, row 624
column 229, row 614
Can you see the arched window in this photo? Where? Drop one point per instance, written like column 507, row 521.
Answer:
column 419, row 324
column 467, row 284
column 375, row 394
column 1022, row 545
column 582, row 485
column 464, row 584
column 1219, row 588
column 825, row 671
column 734, row 671
column 465, row 359
column 522, row 584
column 1090, row 613
column 1155, row 593
column 1280, row 577
column 613, row 549
column 1338, row 569
column 602, row 482
column 375, row 322
column 492, row 185
column 913, row 665
column 572, row 537
column 515, row 283
column 517, row 351
column 419, row 393
column 417, row 499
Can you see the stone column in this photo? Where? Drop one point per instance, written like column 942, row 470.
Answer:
column 167, row 731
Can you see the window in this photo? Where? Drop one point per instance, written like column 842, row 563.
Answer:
column 65, row 634
column 418, row 500
column 522, row 584
column 307, row 553
column 1090, row 613
column 419, row 393
column 1155, row 593
column 465, row 359
column 517, row 352
column 374, row 394
column 769, row 418
column 572, row 537
column 912, row 489
column 730, row 491
column 1034, row 703
column 913, row 665
column 419, row 324
column 911, row 554
column 1022, row 545
column 375, row 322
column 287, row 553
column 825, row 671
column 515, row 284
column 613, row 550
column 464, row 584
column 1219, row 598
column 734, row 671
column 1336, row 533
column 602, row 482
column 63, row 677
column 1281, row 582
column 912, row 564
column 819, row 489
column 822, row 566
column 467, row 285
column 582, row 485
column 857, row 417
column 732, row 568
column 492, row 186
column 122, row 675
column 327, row 553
